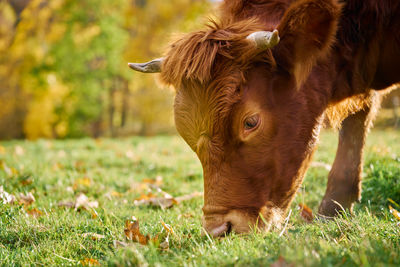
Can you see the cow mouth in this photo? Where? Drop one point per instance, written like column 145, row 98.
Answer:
column 222, row 230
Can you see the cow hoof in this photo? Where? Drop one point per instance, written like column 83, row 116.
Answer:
column 330, row 208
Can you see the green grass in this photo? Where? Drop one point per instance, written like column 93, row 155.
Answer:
column 49, row 169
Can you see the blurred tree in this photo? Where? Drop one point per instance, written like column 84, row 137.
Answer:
column 63, row 65
column 150, row 24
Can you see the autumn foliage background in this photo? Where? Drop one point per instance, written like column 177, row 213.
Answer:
column 63, row 65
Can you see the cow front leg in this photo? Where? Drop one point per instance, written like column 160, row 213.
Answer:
column 344, row 180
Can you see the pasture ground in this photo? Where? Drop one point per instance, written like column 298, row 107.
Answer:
column 112, row 172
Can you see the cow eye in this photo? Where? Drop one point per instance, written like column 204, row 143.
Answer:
column 251, row 122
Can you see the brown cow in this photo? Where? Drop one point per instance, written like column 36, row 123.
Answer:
column 251, row 102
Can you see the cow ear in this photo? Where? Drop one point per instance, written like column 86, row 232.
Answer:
column 307, row 31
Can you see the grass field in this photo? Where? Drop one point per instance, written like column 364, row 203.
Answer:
column 116, row 172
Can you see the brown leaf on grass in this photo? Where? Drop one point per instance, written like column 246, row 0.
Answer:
column 395, row 213
column 94, row 214
column 27, row 199
column 185, row 215
column 147, row 196
column 165, row 200
column 93, row 236
column 160, row 202
column 67, row 204
column 281, row 262
column 306, row 213
column 133, row 233
column 26, row 181
column 5, row 197
column 90, row 262
column 165, row 244
column 82, row 201
column 158, row 181
column 146, row 184
column 34, row 212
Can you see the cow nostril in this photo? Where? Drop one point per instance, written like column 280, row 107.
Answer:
column 229, row 229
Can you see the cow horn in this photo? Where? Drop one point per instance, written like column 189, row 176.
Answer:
column 148, row 67
column 264, row 39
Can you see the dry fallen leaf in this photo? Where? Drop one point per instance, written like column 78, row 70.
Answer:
column 146, row 184
column 5, row 197
column 185, row 215
column 82, row 201
column 26, row 181
column 27, row 199
column 34, row 212
column 67, row 204
column 281, row 262
column 158, row 181
column 395, row 213
column 306, row 213
column 90, row 262
column 132, row 232
column 93, row 236
column 165, row 244
column 161, row 202
column 165, row 200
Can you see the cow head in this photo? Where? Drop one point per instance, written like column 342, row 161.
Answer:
column 243, row 105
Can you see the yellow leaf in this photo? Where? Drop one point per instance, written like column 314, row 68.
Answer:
column 81, row 182
column 90, row 262
column 116, row 194
column 6, row 169
column 2, row 150
column 395, row 213
column 167, row 227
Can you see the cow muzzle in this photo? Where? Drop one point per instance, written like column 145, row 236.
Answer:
column 222, row 222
